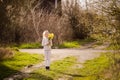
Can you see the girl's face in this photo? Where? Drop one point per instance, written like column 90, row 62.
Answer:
column 46, row 34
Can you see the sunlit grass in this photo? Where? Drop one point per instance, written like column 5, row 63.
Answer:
column 113, row 47
column 72, row 44
column 20, row 60
column 93, row 68
column 65, row 44
column 58, row 69
column 66, row 70
column 112, row 72
column 75, row 44
column 30, row 45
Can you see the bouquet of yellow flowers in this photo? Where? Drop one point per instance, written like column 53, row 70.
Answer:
column 50, row 36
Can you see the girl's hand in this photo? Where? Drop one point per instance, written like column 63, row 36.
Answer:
column 50, row 43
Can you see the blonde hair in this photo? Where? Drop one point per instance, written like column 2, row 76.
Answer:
column 45, row 32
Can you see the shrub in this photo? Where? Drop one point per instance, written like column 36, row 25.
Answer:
column 80, row 21
column 6, row 53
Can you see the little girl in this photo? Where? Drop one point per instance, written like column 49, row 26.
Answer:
column 46, row 43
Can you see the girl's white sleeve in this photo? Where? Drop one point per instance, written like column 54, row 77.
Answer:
column 44, row 42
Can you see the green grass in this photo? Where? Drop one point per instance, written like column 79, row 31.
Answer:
column 113, row 47
column 87, row 40
column 30, row 45
column 66, row 70
column 71, row 44
column 75, row 44
column 98, row 43
column 65, row 44
column 58, row 69
column 113, row 70
column 20, row 60
column 93, row 68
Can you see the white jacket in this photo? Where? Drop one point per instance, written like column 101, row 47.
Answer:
column 46, row 43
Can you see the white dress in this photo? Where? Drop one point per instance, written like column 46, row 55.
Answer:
column 45, row 43
column 47, row 50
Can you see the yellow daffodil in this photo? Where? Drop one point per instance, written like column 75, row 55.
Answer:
column 51, row 36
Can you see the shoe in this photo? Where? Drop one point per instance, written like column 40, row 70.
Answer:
column 47, row 68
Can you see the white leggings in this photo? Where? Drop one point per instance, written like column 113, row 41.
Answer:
column 47, row 57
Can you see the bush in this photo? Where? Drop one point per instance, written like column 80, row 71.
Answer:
column 6, row 53
column 80, row 21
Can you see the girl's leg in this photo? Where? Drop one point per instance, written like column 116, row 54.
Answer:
column 47, row 59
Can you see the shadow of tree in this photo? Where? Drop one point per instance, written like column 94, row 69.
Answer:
column 6, row 71
column 38, row 76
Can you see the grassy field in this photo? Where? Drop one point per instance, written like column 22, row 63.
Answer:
column 113, row 47
column 66, row 69
column 93, row 68
column 29, row 45
column 20, row 60
column 75, row 44
column 58, row 69
column 66, row 44
column 113, row 72
column 70, row 44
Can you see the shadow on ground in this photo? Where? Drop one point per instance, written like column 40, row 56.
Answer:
column 5, row 71
column 37, row 76
column 40, row 76
column 69, row 74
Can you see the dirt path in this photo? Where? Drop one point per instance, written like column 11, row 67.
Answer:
column 84, row 54
column 57, row 54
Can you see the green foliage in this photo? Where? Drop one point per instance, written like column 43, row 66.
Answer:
column 87, row 40
column 57, row 68
column 66, row 70
column 72, row 44
column 80, row 21
column 67, row 62
column 113, row 47
column 75, row 44
column 98, row 36
column 93, row 67
column 20, row 60
column 30, row 45
column 112, row 72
